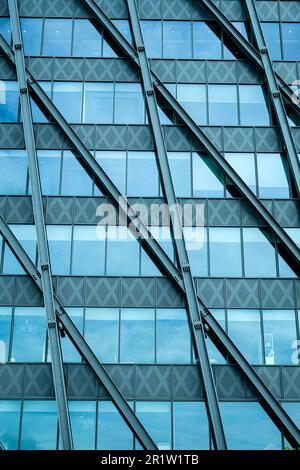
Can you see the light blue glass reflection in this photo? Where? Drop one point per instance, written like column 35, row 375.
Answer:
column 29, row 335
column 259, row 254
column 180, row 166
column 113, row 432
column 193, row 99
column 253, row 107
column 142, row 174
column 129, row 104
column 190, row 426
column 102, row 333
column 272, row 178
column 49, row 165
column 88, row 250
column 83, row 424
column 87, row 39
column 244, row 328
column 31, row 29
column 98, row 103
column 123, row 253
column 9, row 423
column 70, row 353
column 156, row 417
column 13, row 170
column 26, row 235
column 75, row 180
column 223, row 108
column 59, row 241
column 244, row 165
column 5, row 326
column 196, row 245
column 280, row 336
column 39, row 425
column 207, row 45
column 225, row 251
column 57, row 37
column 9, row 101
column 205, row 182
column 177, row 39
column 137, row 335
column 67, row 97
column 114, row 164
column 272, row 38
column 152, row 34
column 173, row 337
column 5, row 29
column 291, row 41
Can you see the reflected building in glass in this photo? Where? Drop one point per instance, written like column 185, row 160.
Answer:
column 124, row 304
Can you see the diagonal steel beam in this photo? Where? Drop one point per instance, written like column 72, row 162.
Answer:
column 194, row 314
column 79, row 342
column 42, row 242
column 275, row 411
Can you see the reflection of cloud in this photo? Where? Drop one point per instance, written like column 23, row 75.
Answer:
column 2, row 352
column 2, row 92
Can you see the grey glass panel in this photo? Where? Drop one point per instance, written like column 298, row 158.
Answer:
column 137, row 335
column 152, row 34
column 142, row 174
column 69, row 351
column 244, row 328
column 193, row 99
column 259, row 254
column 180, row 166
column 75, row 179
column 207, row 45
column 83, row 424
column 177, row 39
column 190, row 426
column 248, row 427
column 9, row 423
column 123, row 253
column 98, row 103
column 32, row 35
column 253, row 107
column 222, row 101
column 113, row 432
column 59, row 240
column 196, row 245
column 26, row 235
column 272, row 39
column 88, row 250
column 291, row 41
column 173, row 340
column 5, row 326
column 272, row 178
column 205, row 182
column 225, row 251
column 39, row 425
column 5, row 29
column 114, row 164
column 244, row 165
column 87, row 39
column 9, row 101
column 156, row 417
column 129, row 104
column 102, row 332
column 13, row 170
column 57, row 37
column 67, row 97
column 280, row 336
column 29, row 335
column 49, row 166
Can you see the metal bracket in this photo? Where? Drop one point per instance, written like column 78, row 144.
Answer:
column 51, row 324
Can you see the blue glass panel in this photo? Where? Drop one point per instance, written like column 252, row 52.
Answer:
column 5, row 29
column 248, row 427
column 98, row 103
column 152, row 34
column 57, row 37
column 113, row 432
column 293, row 409
column 9, row 101
column 83, row 424
column 29, row 335
column 173, row 340
column 177, row 39
column 69, row 351
column 272, row 184
column 205, row 182
column 225, row 251
column 67, row 97
column 32, row 35
column 75, row 179
column 280, row 336
column 156, row 417
column 259, row 254
column 142, row 174
column 180, row 166
column 222, row 101
column 196, row 245
column 123, row 254
column 9, row 423
column 137, row 335
column 291, row 41
column 207, row 45
column 193, row 99
column 214, row 354
column 190, row 426
column 229, row 52
column 49, row 166
column 88, row 250
column 253, row 107
column 244, row 165
column 129, row 104
column 37, row 114
column 5, row 325
column 163, row 236
column 244, row 328
column 102, row 332
column 26, row 235
column 59, row 240
column 13, row 170
column 124, row 28
column 87, row 39
column 39, row 425
column 272, row 39
column 114, row 164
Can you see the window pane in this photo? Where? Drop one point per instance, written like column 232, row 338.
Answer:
column 156, row 417
column 75, row 179
column 261, row 433
column 293, row 409
column 244, row 165
column 9, row 423
column 205, row 182
column 124, row 28
column 32, row 34
column 87, row 39
column 180, row 166
column 113, row 432
column 37, row 114
column 142, row 174
column 70, row 354
column 13, row 170
column 152, row 33
column 5, row 326
column 88, row 250
column 215, row 357
column 177, row 39
column 196, row 245
column 259, row 254
column 207, row 44
column 98, row 103
column 225, row 251
column 272, row 39
column 162, row 235
column 272, row 184
column 83, row 424
column 291, row 41
column 5, row 29
column 114, row 164
column 193, row 99
column 57, row 37
column 222, row 101
column 253, row 107
column 280, row 336
column 26, row 235
column 129, row 104
column 39, row 425
column 67, row 98
column 29, row 335
column 190, row 426
column 9, row 101
column 137, row 335
column 49, row 166
column 59, row 240
column 123, row 253
column 173, row 337
column 102, row 332
column 244, row 329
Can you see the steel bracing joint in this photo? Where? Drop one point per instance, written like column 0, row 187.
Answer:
column 42, row 242
column 201, row 353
